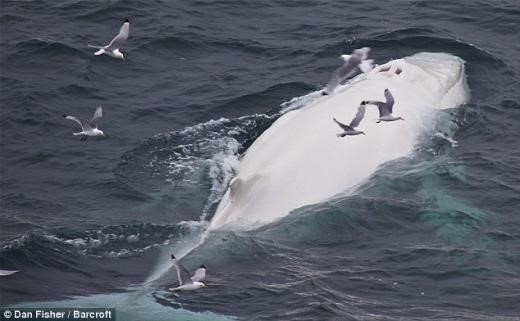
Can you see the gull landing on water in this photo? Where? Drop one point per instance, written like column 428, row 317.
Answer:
column 187, row 282
column 357, row 59
column 112, row 49
column 350, row 129
column 385, row 107
column 90, row 128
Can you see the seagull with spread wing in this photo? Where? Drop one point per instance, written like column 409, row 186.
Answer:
column 358, row 59
column 90, row 128
column 385, row 107
column 350, row 129
column 188, row 282
column 112, row 49
column 7, row 272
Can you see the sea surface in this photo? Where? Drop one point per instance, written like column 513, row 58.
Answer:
column 434, row 236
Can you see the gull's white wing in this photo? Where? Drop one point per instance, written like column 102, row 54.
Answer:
column 366, row 65
column 389, row 101
column 362, row 53
column 7, row 272
column 381, row 105
column 340, row 124
column 76, row 120
column 182, row 274
column 359, row 116
column 200, row 274
column 333, row 83
column 344, row 71
column 338, row 76
column 120, row 38
column 97, row 115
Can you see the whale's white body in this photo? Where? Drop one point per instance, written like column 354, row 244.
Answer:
column 299, row 160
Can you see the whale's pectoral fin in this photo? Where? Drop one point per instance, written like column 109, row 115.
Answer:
column 241, row 184
column 234, row 185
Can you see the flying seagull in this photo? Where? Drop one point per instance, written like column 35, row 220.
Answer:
column 7, row 272
column 385, row 108
column 112, row 49
column 351, row 128
column 350, row 62
column 187, row 282
column 90, row 128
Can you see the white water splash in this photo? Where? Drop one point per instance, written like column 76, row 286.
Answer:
column 194, row 239
column 452, row 141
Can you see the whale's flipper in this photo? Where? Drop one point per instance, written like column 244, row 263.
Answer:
column 241, row 185
column 234, row 185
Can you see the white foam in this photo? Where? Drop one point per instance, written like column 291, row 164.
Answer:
column 132, row 238
column 222, row 166
column 78, row 243
column 299, row 102
column 449, row 139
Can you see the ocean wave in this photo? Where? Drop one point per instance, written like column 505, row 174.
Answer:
column 272, row 98
column 199, row 160
column 405, row 41
column 45, row 46
column 107, row 242
column 179, row 43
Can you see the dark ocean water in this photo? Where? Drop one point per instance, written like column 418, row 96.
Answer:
column 431, row 237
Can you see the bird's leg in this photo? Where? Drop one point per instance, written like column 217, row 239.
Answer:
column 86, row 137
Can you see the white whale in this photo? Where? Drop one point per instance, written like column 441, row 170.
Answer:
column 299, row 160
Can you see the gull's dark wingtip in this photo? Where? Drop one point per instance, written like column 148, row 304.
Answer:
column 173, row 257
column 64, row 116
column 126, row 20
column 202, row 266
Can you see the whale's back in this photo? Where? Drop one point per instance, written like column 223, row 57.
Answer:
column 299, row 160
